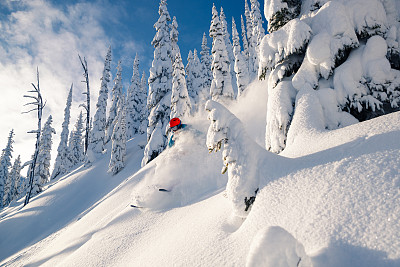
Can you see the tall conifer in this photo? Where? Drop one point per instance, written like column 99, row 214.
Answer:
column 160, row 84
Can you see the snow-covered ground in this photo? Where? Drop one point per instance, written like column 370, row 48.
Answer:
column 335, row 203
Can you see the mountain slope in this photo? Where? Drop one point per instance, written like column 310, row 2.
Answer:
column 339, row 199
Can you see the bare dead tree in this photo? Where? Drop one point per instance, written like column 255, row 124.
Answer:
column 87, row 105
column 38, row 106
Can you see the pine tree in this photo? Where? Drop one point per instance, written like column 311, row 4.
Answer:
column 5, row 164
column 206, row 61
column 134, row 102
column 180, row 101
column 189, row 72
column 221, row 86
column 76, row 141
column 118, row 151
column 160, row 84
column 97, row 134
column 144, row 112
column 15, row 177
column 258, row 30
column 42, row 168
column 197, row 93
column 241, row 67
column 245, row 42
column 63, row 161
column 229, row 48
column 23, row 182
column 116, row 95
column 174, row 39
column 251, row 43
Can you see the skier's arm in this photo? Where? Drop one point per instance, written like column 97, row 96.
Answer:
column 171, row 141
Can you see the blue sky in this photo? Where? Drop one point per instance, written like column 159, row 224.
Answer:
column 129, row 25
column 50, row 34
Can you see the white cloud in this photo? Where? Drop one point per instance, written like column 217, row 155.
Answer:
column 40, row 34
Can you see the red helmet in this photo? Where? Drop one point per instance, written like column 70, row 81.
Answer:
column 174, row 122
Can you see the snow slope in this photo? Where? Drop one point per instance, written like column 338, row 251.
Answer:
column 336, row 204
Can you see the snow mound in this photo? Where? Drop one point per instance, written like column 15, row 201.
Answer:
column 275, row 247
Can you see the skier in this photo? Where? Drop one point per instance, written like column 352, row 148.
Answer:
column 175, row 125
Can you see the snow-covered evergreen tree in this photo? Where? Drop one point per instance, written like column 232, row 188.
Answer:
column 116, row 95
column 189, row 72
column 63, row 161
column 118, row 152
column 174, row 39
column 245, row 42
column 144, row 111
column 337, row 48
column 23, row 181
column 5, row 164
column 229, row 48
column 97, row 134
column 23, row 186
column 206, row 61
column 250, row 40
column 194, row 78
column 258, row 30
column 76, row 144
column 198, row 94
column 180, row 101
column 15, row 177
column 134, row 103
column 160, row 84
column 241, row 67
column 221, row 86
column 42, row 168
